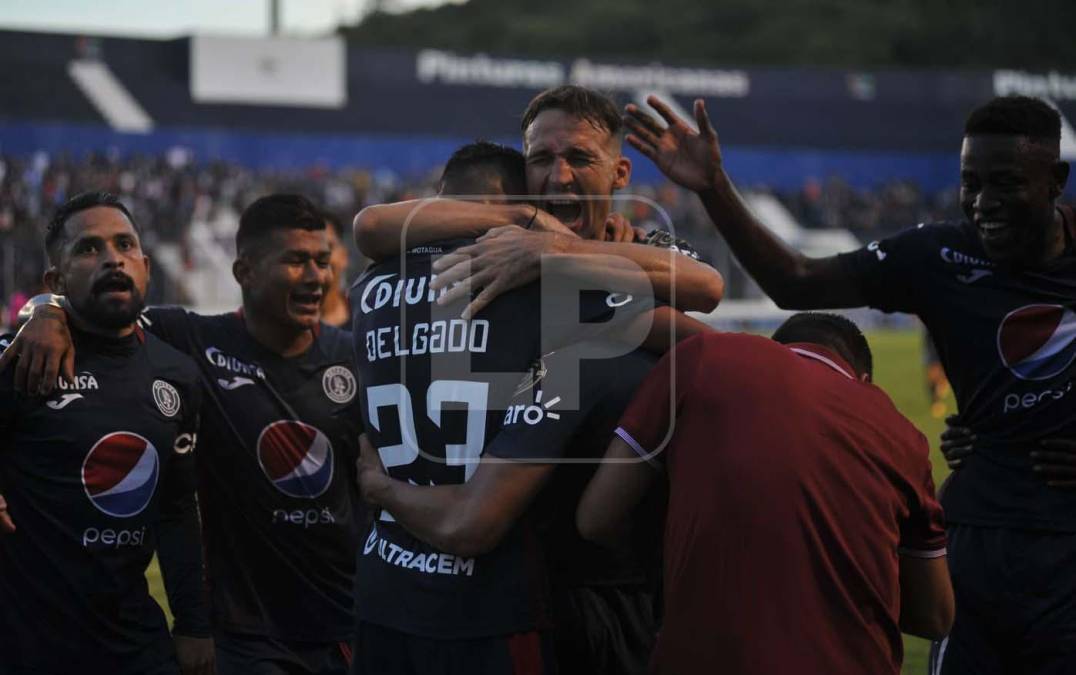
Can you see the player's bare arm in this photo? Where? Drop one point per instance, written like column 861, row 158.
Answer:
column 617, row 487
column 1056, row 462
column 42, row 349
column 511, row 257
column 384, row 230
column 693, row 160
column 466, row 520
column 957, row 442
column 7, row 525
column 196, row 656
column 927, row 606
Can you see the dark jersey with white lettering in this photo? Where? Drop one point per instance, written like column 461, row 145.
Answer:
column 97, row 476
column 1007, row 340
column 276, row 473
column 435, row 391
column 575, row 436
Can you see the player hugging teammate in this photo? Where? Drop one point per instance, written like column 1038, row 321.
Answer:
column 509, row 337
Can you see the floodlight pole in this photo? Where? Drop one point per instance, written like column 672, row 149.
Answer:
column 274, row 17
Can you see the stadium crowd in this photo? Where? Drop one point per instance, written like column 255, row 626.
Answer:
column 169, row 192
column 526, row 457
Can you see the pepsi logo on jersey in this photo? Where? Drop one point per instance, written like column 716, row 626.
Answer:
column 297, row 458
column 1037, row 342
column 119, row 476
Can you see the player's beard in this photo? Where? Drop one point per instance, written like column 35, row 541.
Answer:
column 109, row 314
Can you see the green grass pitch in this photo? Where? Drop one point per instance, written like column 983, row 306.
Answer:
column 898, row 368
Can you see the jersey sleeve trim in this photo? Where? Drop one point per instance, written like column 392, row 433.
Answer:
column 644, row 455
column 919, row 553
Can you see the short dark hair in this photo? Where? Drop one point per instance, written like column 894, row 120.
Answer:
column 829, row 330
column 1015, row 116
column 472, row 166
column 587, row 104
column 280, row 211
column 56, row 234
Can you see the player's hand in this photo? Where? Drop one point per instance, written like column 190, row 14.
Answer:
column 196, row 656
column 41, row 351
column 957, row 442
column 7, row 526
column 618, row 229
column 547, row 222
column 502, row 259
column 371, row 472
column 1056, row 462
column 689, row 158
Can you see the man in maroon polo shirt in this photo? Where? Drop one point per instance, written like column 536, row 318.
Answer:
column 802, row 533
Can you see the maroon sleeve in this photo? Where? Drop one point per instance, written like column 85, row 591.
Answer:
column 648, row 422
column 922, row 535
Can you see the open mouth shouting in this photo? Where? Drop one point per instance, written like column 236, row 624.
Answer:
column 306, row 302
column 568, row 209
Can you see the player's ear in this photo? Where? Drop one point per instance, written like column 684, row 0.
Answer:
column 54, row 281
column 623, row 173
column 146, row 262
column 241, row 271
column 865, row 377
column 1060, row 174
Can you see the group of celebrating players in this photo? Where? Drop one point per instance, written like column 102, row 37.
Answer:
column 524, row 457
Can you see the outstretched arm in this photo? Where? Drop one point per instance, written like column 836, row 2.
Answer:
column 511, row 257
column 468, row 519
column 693, row 160
column 385, row 230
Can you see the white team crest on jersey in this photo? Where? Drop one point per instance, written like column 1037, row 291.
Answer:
column 166, row 397
column 339, row 384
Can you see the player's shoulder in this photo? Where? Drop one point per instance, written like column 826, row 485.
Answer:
column 728, row 345
column 167, row 361
column 939, row 232
column 335, row 343
column 174, row 316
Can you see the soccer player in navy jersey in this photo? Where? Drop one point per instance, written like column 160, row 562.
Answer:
column 572, row 138
column 996, row 290
column 100, row 475
column 279, row 433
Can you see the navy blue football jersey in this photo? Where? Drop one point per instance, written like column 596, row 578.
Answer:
column 435, row 388
column 1007, row 341
column 276, row 473
column 95, row 476
column 539, row 426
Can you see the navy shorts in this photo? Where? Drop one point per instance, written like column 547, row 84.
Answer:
column 603, row 630
column 239, row 654
column 384, row 651
column 1015, row 603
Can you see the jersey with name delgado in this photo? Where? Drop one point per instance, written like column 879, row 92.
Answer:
column 435, row 388
column 89, row 473
column 278, row 445
column 1007, row 340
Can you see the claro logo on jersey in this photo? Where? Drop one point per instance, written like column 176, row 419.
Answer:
column 296, row 458
column 532, row 414
column 119, row 476
column 1037, row 342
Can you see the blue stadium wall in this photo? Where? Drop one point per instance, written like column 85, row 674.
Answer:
column 780, row 128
